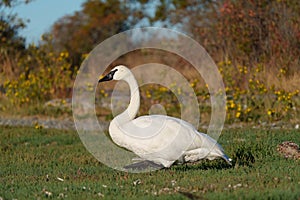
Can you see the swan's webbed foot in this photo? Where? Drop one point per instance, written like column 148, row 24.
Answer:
column 143, row 165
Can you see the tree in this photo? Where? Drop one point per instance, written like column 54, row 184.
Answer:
column 245, row 32
column 262, row 31
column 11, row 44
column 81, row 32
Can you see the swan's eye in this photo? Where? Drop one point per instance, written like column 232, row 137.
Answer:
column 112, row 73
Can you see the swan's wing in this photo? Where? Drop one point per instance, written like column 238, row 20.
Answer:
column 158, row 133
column 188, row 138
column 165, row 139
column 153, row 126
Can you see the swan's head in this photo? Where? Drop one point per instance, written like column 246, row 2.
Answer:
column 120, row 72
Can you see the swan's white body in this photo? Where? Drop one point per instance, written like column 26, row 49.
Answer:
column 158, row 138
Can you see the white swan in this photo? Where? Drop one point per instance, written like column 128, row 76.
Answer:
column 158, row 138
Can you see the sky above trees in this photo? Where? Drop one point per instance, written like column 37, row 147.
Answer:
column 41, row 15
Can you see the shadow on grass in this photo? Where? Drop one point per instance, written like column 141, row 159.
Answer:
column 244, row 156
column 203, row 165
column 190, row 195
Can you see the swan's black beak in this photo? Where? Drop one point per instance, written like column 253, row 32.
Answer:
column 109, row 76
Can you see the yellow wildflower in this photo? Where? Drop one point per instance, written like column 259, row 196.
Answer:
column 148, row 95
column 232, row 105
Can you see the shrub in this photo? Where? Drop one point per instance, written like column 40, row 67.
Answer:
column 46, row 75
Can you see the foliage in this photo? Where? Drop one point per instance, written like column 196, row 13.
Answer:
column 253, row 95
column 262, row 32
column 12, row 3
column 9, row 27
column 245, row 32
column 11, row 44
column 256, row 99
column 255, row 44
column 41, row 163
column 79, row 33
column 46, row 76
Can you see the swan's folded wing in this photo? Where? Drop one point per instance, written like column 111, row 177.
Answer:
column 159, row 133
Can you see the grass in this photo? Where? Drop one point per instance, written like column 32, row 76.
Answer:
column 37, row 109
column 32, row 160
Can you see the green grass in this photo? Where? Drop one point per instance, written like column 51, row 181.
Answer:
column 32, row 159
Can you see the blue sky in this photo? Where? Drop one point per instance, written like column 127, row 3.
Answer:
column 42, row 14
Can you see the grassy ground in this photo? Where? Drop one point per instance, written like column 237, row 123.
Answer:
column 40, row 163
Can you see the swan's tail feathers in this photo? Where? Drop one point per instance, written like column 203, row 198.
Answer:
column 227, row 159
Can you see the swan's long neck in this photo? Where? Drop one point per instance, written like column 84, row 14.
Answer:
column 134, row 104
